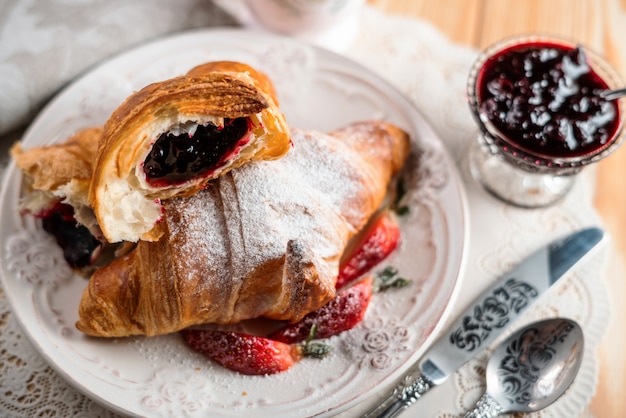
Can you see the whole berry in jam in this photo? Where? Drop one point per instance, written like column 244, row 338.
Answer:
column 175, row 159
column 543, row 98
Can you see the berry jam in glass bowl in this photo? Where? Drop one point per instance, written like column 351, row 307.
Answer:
column 536, row 101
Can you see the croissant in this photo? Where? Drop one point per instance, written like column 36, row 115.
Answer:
column 60, row 172
column 171, row 138
column 264, row 240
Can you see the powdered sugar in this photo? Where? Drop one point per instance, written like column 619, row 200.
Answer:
column 243, row 221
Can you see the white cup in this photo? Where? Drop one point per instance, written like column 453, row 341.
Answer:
column 329, row 23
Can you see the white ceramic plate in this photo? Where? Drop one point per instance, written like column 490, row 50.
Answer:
column 160, row 376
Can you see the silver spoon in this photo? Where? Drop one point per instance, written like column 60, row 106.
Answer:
column 532, row 368
column 612, row 94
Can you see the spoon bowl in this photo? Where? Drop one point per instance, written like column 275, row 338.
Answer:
column 532, row 368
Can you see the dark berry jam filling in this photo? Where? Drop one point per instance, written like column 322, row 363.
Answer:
column 175, row 159
column 75, row 240
column 542, row 98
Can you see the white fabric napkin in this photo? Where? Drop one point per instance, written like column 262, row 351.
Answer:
column 45, row 44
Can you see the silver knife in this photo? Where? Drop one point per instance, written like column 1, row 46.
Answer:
column 488, row 316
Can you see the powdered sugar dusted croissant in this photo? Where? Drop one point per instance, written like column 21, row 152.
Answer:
column 264, row 240
column 171, row 138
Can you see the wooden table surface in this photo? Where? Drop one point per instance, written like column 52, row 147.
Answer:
column 601, row 26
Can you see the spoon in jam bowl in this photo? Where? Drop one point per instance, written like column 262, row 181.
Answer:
column 612, row 94
column 541, row 119
column 531, row 369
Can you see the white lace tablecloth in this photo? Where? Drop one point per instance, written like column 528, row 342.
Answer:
column 45, row 44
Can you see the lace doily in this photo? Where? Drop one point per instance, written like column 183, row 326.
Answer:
column 429, row 70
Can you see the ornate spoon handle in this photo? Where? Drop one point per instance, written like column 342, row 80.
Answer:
column 486, row 407
column 403, row 396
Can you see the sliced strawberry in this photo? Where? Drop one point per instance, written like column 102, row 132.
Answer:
column 244, row 353
column 379, row 241
column 340, row 314
column 249, row 354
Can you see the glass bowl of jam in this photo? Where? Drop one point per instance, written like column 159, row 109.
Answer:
column 538, row 103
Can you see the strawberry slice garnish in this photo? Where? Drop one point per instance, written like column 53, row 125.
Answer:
column 340, row 314
column 250, row 354
column 382, row 237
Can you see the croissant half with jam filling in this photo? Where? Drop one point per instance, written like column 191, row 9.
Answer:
column 264, row 240
column 58, row 172
column 171, row 138
column 56, row 181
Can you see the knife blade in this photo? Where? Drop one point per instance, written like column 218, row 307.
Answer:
column 488, row 316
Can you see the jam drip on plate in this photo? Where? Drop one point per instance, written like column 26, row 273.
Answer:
column 77, row 243
column 175, row 159
column 543, row 98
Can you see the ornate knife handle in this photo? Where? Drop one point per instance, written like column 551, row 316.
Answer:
column 486, row 407
column 403, row 396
